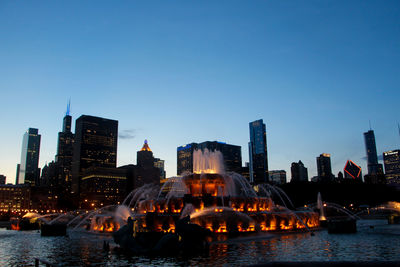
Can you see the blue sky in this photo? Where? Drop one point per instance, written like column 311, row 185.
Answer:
column 176, row 72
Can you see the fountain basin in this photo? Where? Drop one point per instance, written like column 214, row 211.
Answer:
column 56, row 229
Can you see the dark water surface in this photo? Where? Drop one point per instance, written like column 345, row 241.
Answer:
column 381, row 243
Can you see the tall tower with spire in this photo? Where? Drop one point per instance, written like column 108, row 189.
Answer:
column 65, row 150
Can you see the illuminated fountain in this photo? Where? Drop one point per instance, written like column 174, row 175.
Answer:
column 218, row 201
column 107, row 219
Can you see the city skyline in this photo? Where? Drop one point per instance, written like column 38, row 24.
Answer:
column 315, row 83
column 380, row 159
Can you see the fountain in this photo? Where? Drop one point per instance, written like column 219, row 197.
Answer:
column 218, row 201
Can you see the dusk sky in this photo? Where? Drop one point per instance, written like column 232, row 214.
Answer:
column 176, row 72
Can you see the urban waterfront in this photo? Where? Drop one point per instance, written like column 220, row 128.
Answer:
column 375, row 241
column 219, row 133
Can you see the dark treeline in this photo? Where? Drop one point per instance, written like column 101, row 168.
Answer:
column 341, row 193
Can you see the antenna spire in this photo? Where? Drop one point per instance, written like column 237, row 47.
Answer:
column 68, row 108
column 370, row 128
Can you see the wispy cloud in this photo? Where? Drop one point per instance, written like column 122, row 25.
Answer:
column 380, row 157
column 127, row 134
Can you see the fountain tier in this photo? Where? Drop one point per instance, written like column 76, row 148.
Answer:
column 219, row 202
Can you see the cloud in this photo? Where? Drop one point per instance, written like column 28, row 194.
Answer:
column 127, row 134
column 380, row 157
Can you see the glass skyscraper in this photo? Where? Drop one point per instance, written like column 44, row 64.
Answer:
column 258, row 153
column 324, row 168
column 372, row 157
column 28, row 168
column 232, row 155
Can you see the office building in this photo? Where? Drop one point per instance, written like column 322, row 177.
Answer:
column 15, row 198
column 145, row 158
column 299, row 172
column 2, row 179
column 258, row 152
column 374, row 168
column 324, row 168
column 148, row 170
column 17, row 173
column 95, row 145
column 102, row 186
column 28, row 169
column 277, row 177
column 245, row 171
column 391, row 160
column 232, row 156
column 352, row 171
column 65, row 150
column 160, row 164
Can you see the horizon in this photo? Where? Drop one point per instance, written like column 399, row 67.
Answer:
column 180, row 72
column 288, row 172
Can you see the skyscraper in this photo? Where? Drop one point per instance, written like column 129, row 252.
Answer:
column 372, row 158
column 2, row 179
column 258, row 152
column 232, row 155
column 299, row 172
column 145, row 158
column 146, row 171
column 95, row 145
column 352, row 171
column 391, row 160
column 64, row 152
column 185, row 158
column 324, row 168
column 160, row 164
column 28, row 169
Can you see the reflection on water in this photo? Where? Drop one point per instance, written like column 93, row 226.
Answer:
column 82, row 248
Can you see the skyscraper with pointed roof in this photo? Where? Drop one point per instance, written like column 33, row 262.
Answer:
column 64, row 152
column 145, row 158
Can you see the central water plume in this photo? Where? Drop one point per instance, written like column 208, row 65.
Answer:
column 206, row 161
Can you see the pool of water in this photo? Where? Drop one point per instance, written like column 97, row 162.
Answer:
column 380, row 243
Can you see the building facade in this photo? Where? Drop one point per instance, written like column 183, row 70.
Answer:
column 15, row 198
column 258, row 155
column 28, row 171
column 277, row 177
column 391, row 160
column 65, row 149
column 299, row 172
column 352, row 171
column 324, row 168
column 95, row 145
column 160, row 164
column 374, row 168
column 144, row 157
column 102, row 186
column 232, row 155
